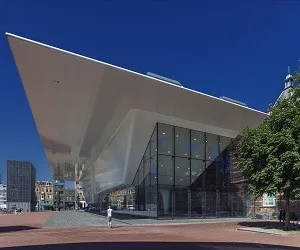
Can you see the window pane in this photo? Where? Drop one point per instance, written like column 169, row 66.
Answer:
column 164, row 200
column 165, row 170
column 224, row 142
column 165, row 139
column 212, row 147
column 182, row 171
column 181, row 201
column 224, row 169
column 153, row 142
column 153, row 170
column 197, row 198
column 147, row 172
column 210, row 176
column 198, row 167
column 182, row 142
column 197, row 145
column 147, row 152
column 141, row 172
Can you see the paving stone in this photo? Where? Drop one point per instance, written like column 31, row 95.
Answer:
column 76, row 219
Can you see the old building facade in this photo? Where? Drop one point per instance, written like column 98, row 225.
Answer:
column 44, row 194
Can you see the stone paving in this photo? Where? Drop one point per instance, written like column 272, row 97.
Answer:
column 26, row 232
column 77, row 219
column 84, row 219
column 133, row 220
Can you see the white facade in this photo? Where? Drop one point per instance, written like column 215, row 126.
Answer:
column 3, row 196
column 101, row 116
column 25, row 206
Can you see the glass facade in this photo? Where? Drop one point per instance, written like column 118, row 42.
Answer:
column 21, row 178
column 187, row 173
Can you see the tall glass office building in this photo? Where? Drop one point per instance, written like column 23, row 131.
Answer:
column 21, row 178
column 187, row 173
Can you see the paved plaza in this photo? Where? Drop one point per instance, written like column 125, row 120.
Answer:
column 79, row 230
column 68, row 219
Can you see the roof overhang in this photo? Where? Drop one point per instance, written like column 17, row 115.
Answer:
column 80, row 105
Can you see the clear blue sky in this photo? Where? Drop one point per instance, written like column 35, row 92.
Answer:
column 240, row 49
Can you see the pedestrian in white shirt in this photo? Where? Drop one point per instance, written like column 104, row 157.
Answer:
column 109, row 216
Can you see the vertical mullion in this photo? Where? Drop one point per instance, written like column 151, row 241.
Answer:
column 157, row 171
column 218, row 179
column 148, row 192
column 174, row 150
column 204, row 175
column 138, row 188
column 174, row 174
column 190, row 165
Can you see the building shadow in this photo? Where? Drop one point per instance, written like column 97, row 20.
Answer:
column 120, row 216
column 7, row 229
column 155, row 245
column 265, row 225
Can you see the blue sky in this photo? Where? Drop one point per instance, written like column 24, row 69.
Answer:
column 240, row 49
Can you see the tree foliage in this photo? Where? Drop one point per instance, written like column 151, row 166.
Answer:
column 58, row 201
column 269, row 155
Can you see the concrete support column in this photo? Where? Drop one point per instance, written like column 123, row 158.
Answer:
column 166, row 196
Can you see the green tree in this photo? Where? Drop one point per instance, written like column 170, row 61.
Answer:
column 58, row 201
column 296, row 77
column 269, row 155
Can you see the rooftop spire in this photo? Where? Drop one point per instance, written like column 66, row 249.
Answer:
column 288, row 82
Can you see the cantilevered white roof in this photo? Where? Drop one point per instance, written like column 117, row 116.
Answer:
column 90, row 111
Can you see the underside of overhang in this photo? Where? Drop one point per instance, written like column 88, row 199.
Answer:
column 81, row 106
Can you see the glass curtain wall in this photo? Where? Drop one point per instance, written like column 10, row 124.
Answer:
column 187, row 173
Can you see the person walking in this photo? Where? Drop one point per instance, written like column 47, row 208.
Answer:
column 109, row 216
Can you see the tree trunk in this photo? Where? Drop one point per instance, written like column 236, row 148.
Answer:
column 287, row 212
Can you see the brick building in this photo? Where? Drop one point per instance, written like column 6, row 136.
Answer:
column 44, row 194
column 69, row 198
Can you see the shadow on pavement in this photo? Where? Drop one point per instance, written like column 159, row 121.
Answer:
column 6, row 229
column 124, row 216
column 264, row 224
column 155, row 245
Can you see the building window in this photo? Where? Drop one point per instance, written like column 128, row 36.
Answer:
column 269, row 200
